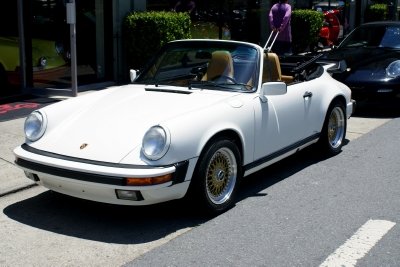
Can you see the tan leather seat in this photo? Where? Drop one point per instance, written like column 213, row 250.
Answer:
column 219, row 64
column 274, row 64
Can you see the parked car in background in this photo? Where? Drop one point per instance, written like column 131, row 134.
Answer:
column 49, row 60
column 372, row 55
column 197, row 118
column 326, row 5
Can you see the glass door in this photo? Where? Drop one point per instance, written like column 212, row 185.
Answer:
column 46, row 44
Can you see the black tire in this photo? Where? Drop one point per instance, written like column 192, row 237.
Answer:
column 217, row 177
column 334, row 130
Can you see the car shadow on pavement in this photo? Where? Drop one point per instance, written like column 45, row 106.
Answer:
column 100, row 222
column 138, row 224
column 253, row 184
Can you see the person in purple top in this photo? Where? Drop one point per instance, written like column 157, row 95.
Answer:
column 279, row 20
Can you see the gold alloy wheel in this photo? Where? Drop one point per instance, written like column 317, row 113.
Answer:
column 336, row 127
column 221, row 175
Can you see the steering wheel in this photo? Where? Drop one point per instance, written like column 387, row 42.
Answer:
column 223, row 76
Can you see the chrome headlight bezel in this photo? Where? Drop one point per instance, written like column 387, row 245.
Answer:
column 155, row 142
column 393, row 70
column 35, row 125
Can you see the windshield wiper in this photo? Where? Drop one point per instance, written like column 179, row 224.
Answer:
column 245, row 85
column 221, row 85
column 206, row 83
column 353, row 45
column 388, row 47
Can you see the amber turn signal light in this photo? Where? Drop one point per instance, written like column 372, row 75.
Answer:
column 149, row 180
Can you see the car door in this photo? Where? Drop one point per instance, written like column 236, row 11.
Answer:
column 281, row 121
column 313, row 107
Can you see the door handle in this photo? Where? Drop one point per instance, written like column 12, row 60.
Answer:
column 307, row 94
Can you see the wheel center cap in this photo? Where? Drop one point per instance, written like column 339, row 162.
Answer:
column 219, row 175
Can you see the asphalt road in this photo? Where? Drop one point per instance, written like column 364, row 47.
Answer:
column 297, row 212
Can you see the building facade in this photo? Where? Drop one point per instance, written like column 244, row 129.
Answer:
column 60, row 51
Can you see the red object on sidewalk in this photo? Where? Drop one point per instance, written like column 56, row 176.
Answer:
column 330, row 30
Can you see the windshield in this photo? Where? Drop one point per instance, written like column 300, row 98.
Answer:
column 204, row 64
column 374, row 36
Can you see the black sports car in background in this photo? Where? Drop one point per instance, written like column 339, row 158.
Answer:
column 372, row 55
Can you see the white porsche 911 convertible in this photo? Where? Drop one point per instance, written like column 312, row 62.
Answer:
column 197, row 118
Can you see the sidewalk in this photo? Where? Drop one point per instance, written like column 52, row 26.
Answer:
column 13, row 179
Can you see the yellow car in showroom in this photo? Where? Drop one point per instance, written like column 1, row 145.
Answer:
column 49, row 61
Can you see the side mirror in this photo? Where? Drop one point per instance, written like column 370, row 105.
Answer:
column 272, row 88
column 133, row 74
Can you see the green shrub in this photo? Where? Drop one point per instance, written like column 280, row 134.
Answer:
column 145, row 32
column 376, row 12
column 306, row 25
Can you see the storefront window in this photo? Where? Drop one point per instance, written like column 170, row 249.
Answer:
column 350, row 15
column 47, row 45
column 50, row 32
column 216, row 19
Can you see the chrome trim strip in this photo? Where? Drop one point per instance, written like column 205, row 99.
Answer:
column 280, row 152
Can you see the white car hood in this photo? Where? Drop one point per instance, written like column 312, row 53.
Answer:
column 114, row 124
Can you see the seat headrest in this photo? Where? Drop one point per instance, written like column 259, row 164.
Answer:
column 220, row 63
column 272, row 61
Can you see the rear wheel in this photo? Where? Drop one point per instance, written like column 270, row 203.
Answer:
column 334, row 129
column 217, row 176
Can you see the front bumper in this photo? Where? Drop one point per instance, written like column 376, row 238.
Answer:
column 370, row 95
column 351, row 108
column 99, row 181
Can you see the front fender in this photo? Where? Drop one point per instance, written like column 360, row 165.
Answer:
column 333, row 90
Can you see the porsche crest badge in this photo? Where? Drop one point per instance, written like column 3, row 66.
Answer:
column 83, row 146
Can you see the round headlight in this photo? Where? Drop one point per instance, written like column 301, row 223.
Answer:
column 393, row 70
column 155, row 143
column 35, row 126
column 60, row 48
column 42, row 61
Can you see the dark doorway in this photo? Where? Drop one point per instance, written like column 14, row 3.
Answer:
column 9, row 49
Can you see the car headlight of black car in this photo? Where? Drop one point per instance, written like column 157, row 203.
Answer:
column 35, row 125
column 155, row 143
column 393, row 70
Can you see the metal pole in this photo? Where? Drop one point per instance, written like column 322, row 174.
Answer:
column 220, row 19
column 21, row 41
column 72, row 30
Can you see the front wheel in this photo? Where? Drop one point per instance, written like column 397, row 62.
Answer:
column 334, row 129
column 217, row 177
